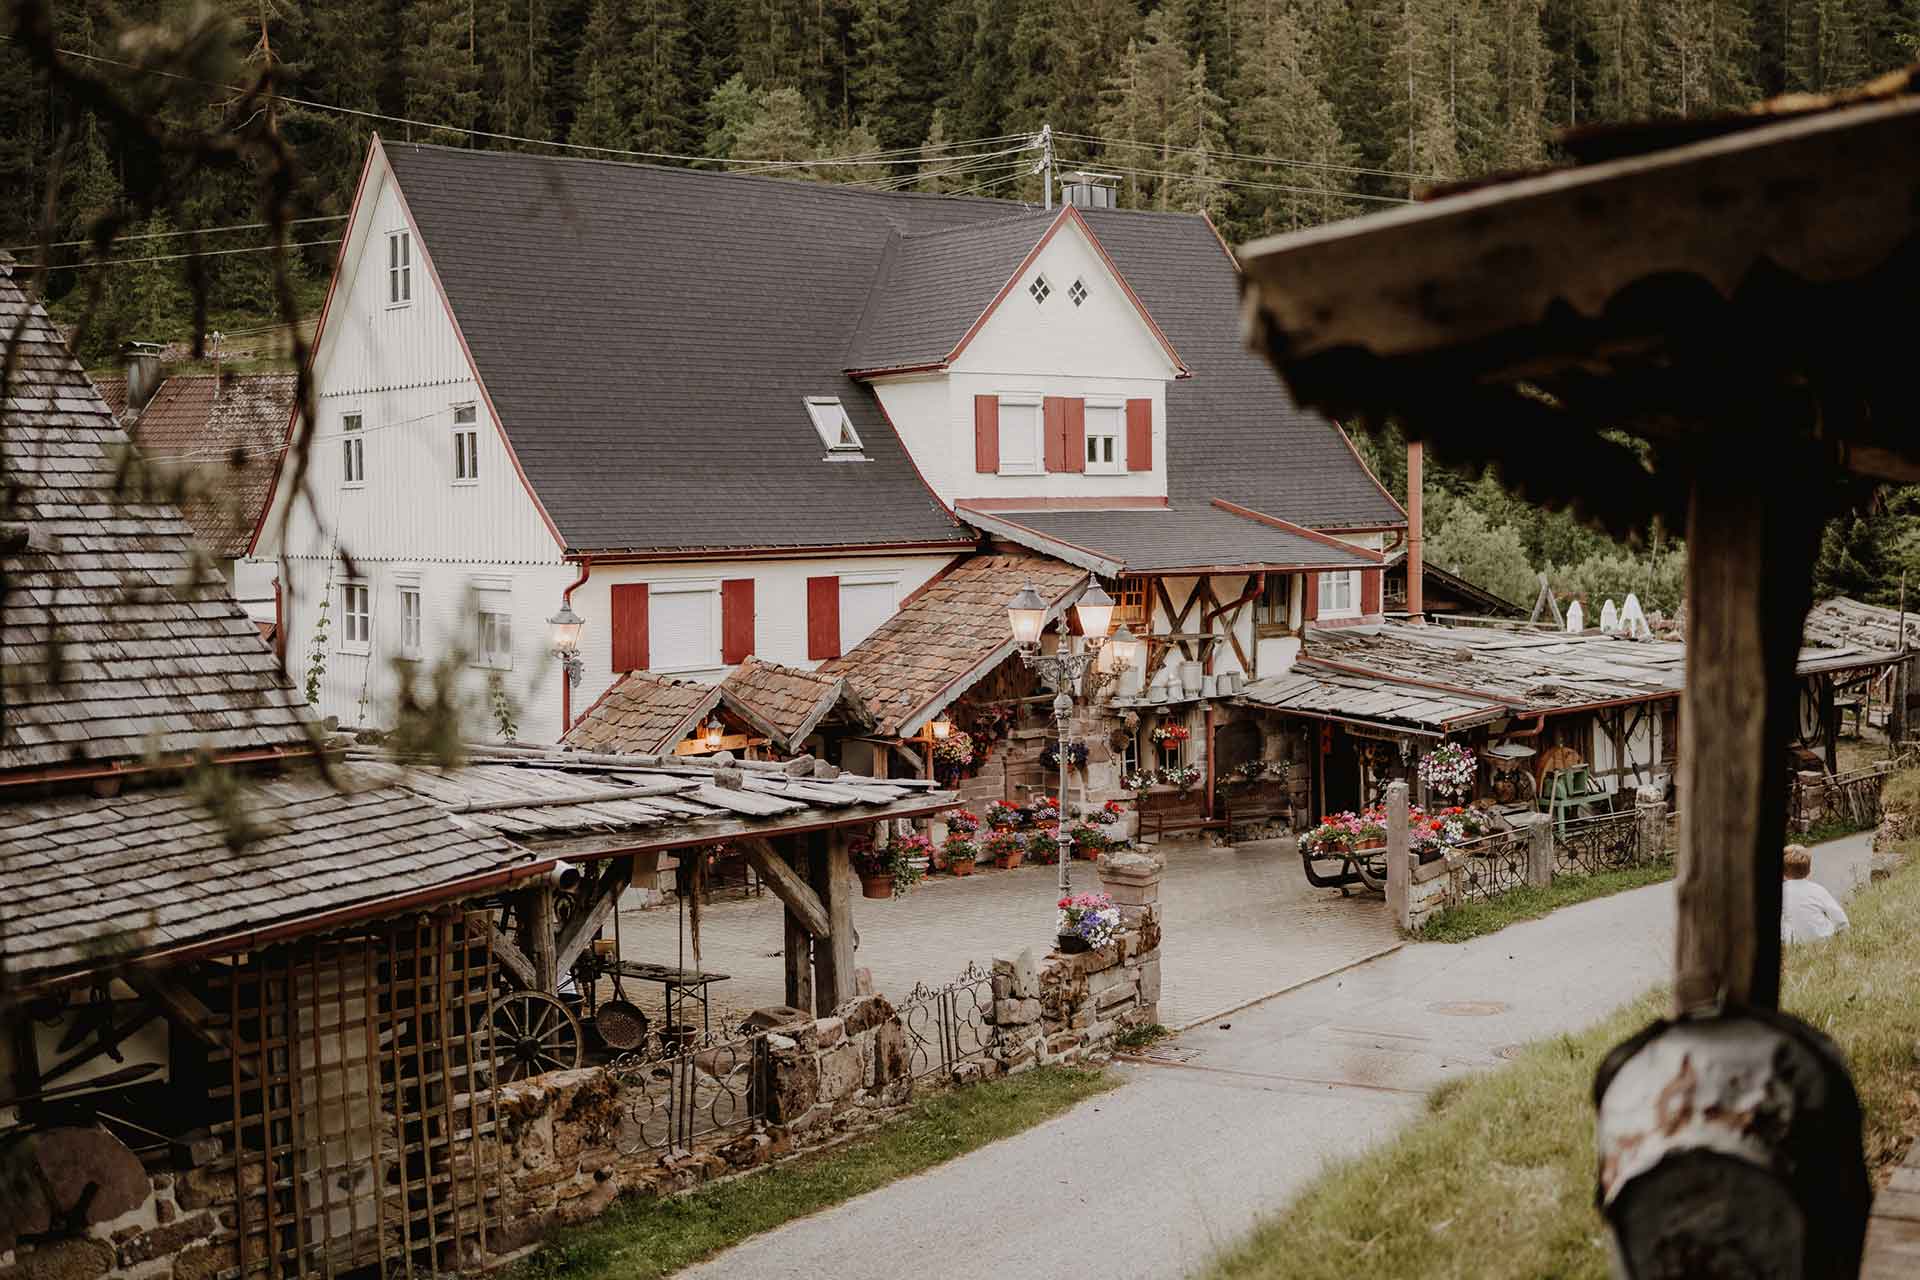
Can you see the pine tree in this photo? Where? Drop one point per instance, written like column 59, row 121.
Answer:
column 1521, row 68
column 780, row 129
column 442, row 74
column 1826, row 45
column 857, row 141
column 1196, row 131
column 727, row 112
column 346, row 65
column 599, row 73
column 1143, row 110
column 516, row 58
column 657, row 71
column 1702, row 55
column 934, row 157
column 1621, row 35
column 876, row 70
column 1283, row 113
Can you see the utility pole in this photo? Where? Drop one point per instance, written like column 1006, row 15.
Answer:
column 1044, row 165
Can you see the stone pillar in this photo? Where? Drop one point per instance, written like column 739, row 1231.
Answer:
column 1399, row 857
column 1809, row 801
column 1650, row 821
column 1539, row 829
column 1132, row 880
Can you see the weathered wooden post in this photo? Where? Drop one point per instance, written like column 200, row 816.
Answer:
column 1539, row 828
column 831, row 869
column 1399, row 857
column 1650, row 822
column 1729, row 1138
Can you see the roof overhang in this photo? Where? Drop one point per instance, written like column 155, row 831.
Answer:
column 1007, row 526
column 909, row 725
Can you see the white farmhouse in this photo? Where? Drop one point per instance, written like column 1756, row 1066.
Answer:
column 728, row 416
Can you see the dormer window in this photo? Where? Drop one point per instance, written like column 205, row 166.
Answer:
column 1039, row 289
column 835, row 428
column 1077, row 291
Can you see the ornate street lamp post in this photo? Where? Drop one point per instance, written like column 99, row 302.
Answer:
column 1027, row 615
column 566, row 626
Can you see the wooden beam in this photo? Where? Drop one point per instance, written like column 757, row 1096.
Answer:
column 832, row 874
column 801, row 901
column 1753, row 527
column 592, row 914
column 799, row 943
column 509, row 956
column 542, row 936
column 186, row 1009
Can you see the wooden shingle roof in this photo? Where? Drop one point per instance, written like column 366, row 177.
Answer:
column 644, row 714
column 145, row 646
column 227, row 433
column 949, row 635
column 788, row 704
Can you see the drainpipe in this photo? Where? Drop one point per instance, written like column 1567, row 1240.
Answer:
column 1416, row 535
column 279, row 623
column 566, row 685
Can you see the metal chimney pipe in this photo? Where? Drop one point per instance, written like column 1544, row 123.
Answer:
column 1416, row 535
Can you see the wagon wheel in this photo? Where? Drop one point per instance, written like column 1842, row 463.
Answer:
column 1812, row 730
column 534, row 1033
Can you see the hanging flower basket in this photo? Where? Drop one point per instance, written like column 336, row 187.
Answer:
column 1449, row 769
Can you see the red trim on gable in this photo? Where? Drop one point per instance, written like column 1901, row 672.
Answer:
column 1288, row 525
column 1141, row 307
column 1368, row 472
column 881, row 404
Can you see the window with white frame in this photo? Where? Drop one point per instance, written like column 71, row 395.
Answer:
column 865, row 603
column 493, row 641
column 1021, row 449
column 1340, row 595
column 466, row 444
column 411, row 627
column 356, row 618
column 353, row 455
column 1106, row 452
column 683, row 625
column 835, row 428
column 399, row 268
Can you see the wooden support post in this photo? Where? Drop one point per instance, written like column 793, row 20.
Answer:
column 801, row 901
column 542, row 936
column 1399, row 858
column 832, row 874
column 1830, row 723
column 592, row 913
column 799, row 943
column 1751, row 540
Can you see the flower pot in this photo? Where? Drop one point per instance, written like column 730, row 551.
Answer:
column 1191, row 676
column 1073, row 944
column 960, row 866
column 1008, row 861
column 880, row 886
column 919, row 864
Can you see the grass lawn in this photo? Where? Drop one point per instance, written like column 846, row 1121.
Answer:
column 1497, row 1179
column 639, row 1238
column 1474, row 919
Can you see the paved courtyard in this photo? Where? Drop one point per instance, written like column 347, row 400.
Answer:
column 1241, row 924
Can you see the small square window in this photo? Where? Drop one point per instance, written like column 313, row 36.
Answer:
column 410, row 628
column 1077, row 291
column 831, row 421
column 1039, row 289
column 399, row 268
column 356, row 619
column 353, row 461
column 466, row 444
column 1105, row 454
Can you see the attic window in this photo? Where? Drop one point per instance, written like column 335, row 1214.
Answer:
column 1039, row 289
column 1078, row 292
column 835, row 428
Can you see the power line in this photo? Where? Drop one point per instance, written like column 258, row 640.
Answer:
column 176, row 257
column 1252, row 185
column 194, row 231
column 1258, row 159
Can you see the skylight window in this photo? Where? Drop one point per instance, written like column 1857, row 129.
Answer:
column 1078, row 292
column 1039, row 289
column 835, row 428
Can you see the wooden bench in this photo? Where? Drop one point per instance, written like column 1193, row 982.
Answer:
column 1164, row 810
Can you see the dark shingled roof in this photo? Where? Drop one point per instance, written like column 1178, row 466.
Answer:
column 1190, row 536
column 949, row 635
column 90, row 879
column 228, row 432
column 936, row 285
column 649, row 335
column 145, row 651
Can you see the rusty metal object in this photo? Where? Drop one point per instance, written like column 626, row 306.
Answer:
column 1730, row 1146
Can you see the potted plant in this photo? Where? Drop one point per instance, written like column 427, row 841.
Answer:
column 953, row 756
column 962, row 853
column 1042, row 844
column 1044, row 811
column 1004, row 815
column 885, row 870
column 1181, row 777
column 1140, row 781
column 1169, row 735
column 916, row 850
column 1089, row 840
column 962, row 822
column 1086, row 921
column 1006, row 848
column 1449, row 769
column 1076, row 756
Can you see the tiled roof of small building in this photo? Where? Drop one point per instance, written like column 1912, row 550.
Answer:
column 949, row 635
column 791, row 702
column 227, row 433
column 153, row 870
column 643, row 714
column 145, row 651
column 113, row 390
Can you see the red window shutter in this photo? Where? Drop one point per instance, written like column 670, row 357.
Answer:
column 823, row 617
column 736, row 620
column 630, row 627
column 1310, row 600
column 1054, row 427
column 1139, row 435
column 986, row 434
column 1076, row 434
column 1370, row 590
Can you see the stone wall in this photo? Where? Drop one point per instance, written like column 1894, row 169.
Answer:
column 1069, row 1008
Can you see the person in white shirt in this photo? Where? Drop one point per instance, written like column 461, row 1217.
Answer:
column 1807, row 911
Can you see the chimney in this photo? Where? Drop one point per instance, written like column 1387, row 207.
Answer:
column 1416, row 535
column 1086, row 190
column 141, row 360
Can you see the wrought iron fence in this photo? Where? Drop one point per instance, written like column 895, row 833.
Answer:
column 1489, row 866
column 1855, row 795
column 675, row 1093
column 1606, row 842
column 947, row 1025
